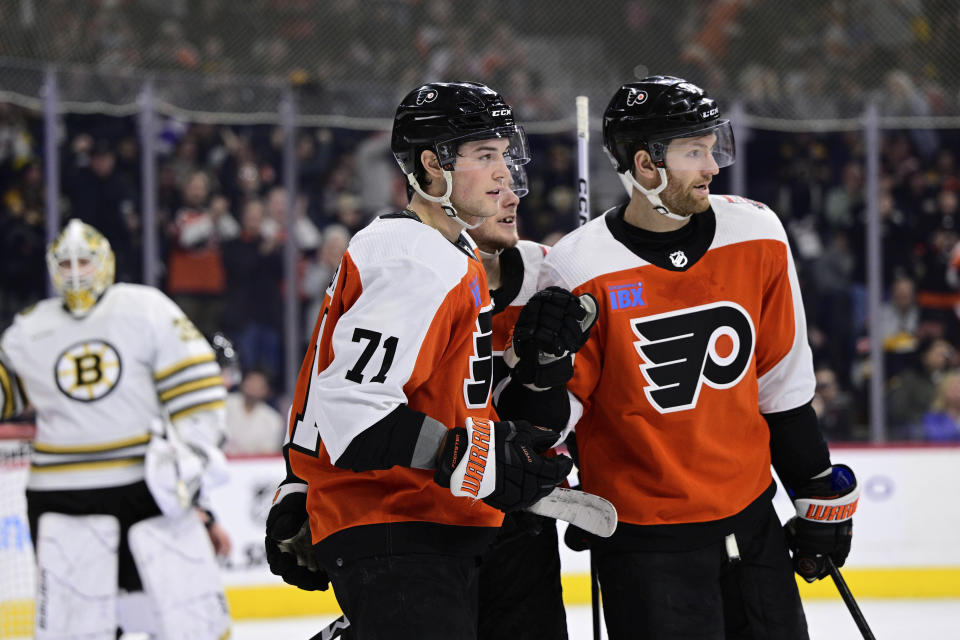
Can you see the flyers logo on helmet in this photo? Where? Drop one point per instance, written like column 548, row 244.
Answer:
column 682, row 350
column 635, row 97
column 426, row 95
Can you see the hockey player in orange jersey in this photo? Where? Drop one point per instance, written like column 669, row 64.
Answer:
column 696, row 377
column 392, row 436
column 520, row 592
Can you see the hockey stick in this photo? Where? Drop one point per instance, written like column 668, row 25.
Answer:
column 583, row 159
column 849, row 601
column 585, row 510
column 583, row 215
column 333, row 630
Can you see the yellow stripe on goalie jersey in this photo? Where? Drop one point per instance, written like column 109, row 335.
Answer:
column 183, row 364
column 39, row 447
column 204, row 406
column 193, row 385
column 6, row 411
column 80, row 466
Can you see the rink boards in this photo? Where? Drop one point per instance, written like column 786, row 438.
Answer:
column 904, row 546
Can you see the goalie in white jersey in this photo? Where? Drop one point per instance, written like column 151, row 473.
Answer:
column 130, row 417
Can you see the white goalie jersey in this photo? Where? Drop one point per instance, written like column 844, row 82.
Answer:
column 102, row 383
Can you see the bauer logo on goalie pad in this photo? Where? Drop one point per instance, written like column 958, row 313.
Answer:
column 683, row 350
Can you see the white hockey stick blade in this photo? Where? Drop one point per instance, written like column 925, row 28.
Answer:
column 334, row 630
column 585, row 510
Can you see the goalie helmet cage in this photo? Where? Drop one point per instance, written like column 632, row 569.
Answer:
column 17, row 565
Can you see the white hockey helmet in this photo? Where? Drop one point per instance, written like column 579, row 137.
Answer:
column 81, row 266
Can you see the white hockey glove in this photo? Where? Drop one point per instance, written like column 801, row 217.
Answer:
column 501, row 463
column 176, row 470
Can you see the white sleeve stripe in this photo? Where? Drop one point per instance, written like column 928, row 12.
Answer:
column 189, row 374
column 159, row 376
column 196, row 397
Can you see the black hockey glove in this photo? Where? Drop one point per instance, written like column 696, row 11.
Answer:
column 519, row 476
column 289, row 546
column 553, row 325
column 823, row 526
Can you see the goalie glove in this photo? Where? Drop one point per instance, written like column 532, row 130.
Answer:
column 823, row 526
column 501, row 463
column 288, row 542
column 552, row 326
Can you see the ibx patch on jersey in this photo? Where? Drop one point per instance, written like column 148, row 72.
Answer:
column 625, row 296
column 684, row 349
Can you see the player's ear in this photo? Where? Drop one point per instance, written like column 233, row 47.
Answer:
column 430, row 163
column 643, row 166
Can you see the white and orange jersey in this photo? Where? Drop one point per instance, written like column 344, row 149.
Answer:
column 699, row 332
column 519, row 270
column 406, row 320
column 101, row 383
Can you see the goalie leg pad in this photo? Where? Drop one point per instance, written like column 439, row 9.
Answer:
column 180, row 574
column 77, row 577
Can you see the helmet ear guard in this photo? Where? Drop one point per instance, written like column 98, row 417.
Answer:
column 81, row 265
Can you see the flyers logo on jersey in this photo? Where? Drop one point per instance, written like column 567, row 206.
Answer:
column 682, row 350
column 476, row 388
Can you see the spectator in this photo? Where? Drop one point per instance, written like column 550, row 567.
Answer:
column 833, row 407
column 253, row 426
column 320, row 273
column 899, row 318
column 254, row 270
column 912, row 392
column 196, row 279
column 942, row 423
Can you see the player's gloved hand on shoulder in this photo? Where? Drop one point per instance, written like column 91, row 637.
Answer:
column 289, row 545
column 552, row 326
column 823, row 526
column 501, row 463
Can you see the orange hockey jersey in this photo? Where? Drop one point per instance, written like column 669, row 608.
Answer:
column 406, row 320
column 699, row 333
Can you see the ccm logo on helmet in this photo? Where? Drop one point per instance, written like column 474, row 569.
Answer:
column 500, row 112
column 711, row 344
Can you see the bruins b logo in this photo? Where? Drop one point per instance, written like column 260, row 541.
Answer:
column 89, row 370
column 682, row 350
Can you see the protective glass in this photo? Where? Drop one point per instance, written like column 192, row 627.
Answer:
column 703, row 151
column 483, row 150
column 518, row 180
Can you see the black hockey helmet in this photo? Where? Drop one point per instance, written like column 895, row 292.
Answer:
column 649, row 113
column 440, row 115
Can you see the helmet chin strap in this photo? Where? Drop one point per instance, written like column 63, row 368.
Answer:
column 487, row 255
column 653, row 195
column 443, row 200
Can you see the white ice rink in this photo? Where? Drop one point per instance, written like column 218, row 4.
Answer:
column 828, row 620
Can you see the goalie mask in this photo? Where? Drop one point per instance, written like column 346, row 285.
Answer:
column 81, row 266
column 441, row 117
column 649, row 115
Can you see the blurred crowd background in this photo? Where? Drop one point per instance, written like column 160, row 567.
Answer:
column 799, row 76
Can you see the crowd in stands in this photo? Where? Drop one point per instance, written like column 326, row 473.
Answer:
column 222, row 203
column 221, row 223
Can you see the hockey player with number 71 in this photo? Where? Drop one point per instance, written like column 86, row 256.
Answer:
column 399, row 470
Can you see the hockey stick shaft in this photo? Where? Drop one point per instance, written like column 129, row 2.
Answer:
column 583, row 160
column 849, row 600
column 594, row 597
column 332, row 630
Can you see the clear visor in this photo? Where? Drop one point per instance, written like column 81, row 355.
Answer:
column 470, row 153
column 706, row 151
column 518, row 181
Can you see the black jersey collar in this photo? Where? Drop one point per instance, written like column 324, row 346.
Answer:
column 672, row 250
